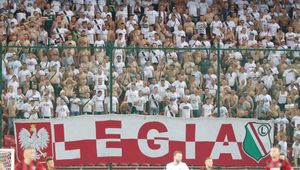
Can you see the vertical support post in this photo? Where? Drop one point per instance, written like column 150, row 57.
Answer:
column 110, row 167
column 109, row 52
column 1, row 86
column 219, row 78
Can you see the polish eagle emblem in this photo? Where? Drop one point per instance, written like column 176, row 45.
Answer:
column 37, row 139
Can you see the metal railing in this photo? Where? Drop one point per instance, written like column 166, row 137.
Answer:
column 110, row 50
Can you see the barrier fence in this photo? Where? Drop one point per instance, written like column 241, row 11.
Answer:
column 216, row 60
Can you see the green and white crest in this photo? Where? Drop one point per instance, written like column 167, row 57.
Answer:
column 257, row 142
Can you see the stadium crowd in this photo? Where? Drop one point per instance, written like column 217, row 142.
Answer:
column 56, row 81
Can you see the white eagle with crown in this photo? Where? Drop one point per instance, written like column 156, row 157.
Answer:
column 37, row 139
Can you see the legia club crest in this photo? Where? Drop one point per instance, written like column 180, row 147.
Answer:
column 257, row 142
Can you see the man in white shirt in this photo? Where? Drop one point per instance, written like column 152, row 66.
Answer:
column 30, row 110
column 215, row 25
column 31, row 63
column 91, row 34
column 178, row 34
column 177, row 164
column 148, row 70
column 273, row 27
column 75, row 105
column 171, row 109
column 207, row 109
column 122, row 31
column 203, row 6
column 140, row 103
column 290, row 37
column 131, row 94
column 250, row 65
column 193, row 7
column 130, row 24
column 60, row 31
column 231, row 77
column 100, row 87
column 289, row 75
column 46, row 108
column 119, row 65
column 223, row 111
column 180, row 85
column 21, row 13
column 152, row 15
column 115, row 104
column 296, row 152
column 87, row 104
column 185, row 108
column 173, row 23
column 62, row 109
column 23, row 73
column 98, row 101
column 67, row 13
column 251, row 40
column 154, row 99
column 196, row 102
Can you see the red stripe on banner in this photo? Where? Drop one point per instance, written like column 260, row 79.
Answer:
column 190, row 132
column 59, row 134
column 257, row 137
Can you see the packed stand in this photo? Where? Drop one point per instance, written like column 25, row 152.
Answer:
column 46, row 80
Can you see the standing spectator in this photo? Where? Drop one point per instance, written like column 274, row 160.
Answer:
column 223, row 111
column 60, row 32
column 185, row 108
column 196, row 103
column 139, row 104
column 296, row 152
column 21, row 13
column 75, row 105
column 154, row 99
column 208, row 109
column 151, row 14
column 171, row 108
column 115, row 104
column 283, row 145
column 87, row 105
column 282, row 98
column 173, row 23
column 12, row 114
column 189, row 28
column 62, row 109
column 201, row 26
column 98, row 101
column 281, row 123
column 193, row 7
column 46, row 108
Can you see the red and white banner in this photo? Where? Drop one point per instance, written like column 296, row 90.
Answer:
column 91, row 140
